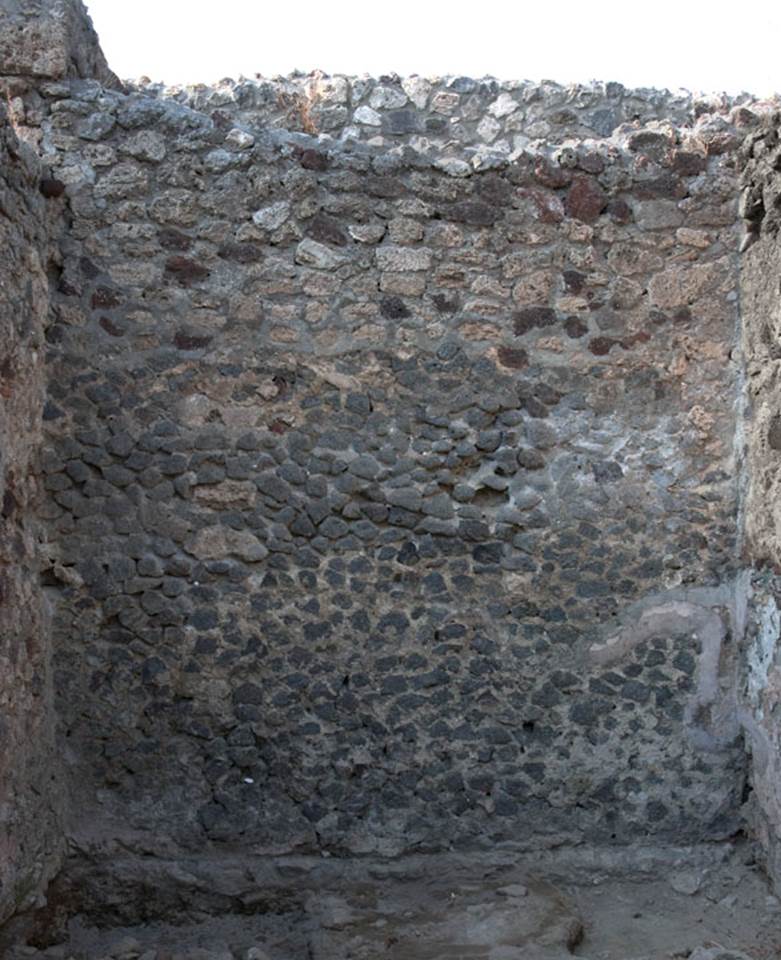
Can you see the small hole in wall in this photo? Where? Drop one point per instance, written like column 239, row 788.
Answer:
column 748, row 789
column 49, row 578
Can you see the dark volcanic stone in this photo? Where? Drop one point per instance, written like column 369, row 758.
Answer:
column 314, row 160
column 513, row 357
column 585, row 199
column 601, row 346
column 606, row 471
column 51, row 188
column 398, row 122
column 245, row 252
column 477, row 213
column 105, row 298
column 575, row 328
column 394, row 308
column 528, row 318
column 774, row 433
column 171, row 239
column 445, row 303
column 530, row 459
column 189, row 341
column 325, row 229
column 185, row 271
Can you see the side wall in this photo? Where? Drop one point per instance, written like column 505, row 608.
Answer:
column 31, row 788
column 761, row 315
column 41, row 41
column 393, row 495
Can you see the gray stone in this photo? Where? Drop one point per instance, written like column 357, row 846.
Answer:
column 402, row 259
column 272, row 217
column 317, row 255
column 367, row 116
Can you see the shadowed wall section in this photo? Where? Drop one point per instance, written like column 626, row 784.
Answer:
column 761, row 329
column 30, row 784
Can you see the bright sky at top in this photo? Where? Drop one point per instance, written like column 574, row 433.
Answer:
column 703, row 45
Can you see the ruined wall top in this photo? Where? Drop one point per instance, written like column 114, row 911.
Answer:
column 464, row 124
column 459, row 124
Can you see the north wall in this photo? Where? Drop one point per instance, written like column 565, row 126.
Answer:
column 360, row 454
column 393, row 457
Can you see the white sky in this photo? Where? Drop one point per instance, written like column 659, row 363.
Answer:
column 705, row 45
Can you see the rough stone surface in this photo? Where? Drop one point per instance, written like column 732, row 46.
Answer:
column 30, row 781
column 761, row 328
column 392, row 491
column 344, row 507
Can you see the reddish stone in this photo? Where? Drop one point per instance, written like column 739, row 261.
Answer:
column 550, row 175
column 574, row 281
column 528, row 318
column 171, row 239
column 187, row 341
column 314, row 160
column 278, row 426
column 549, row 207
column 591, row 162
column 600, row 346
column 721, row 143
column 619, row 211
column 641, row 337
column 244, row 252
column 51, row 188
column 111, row 328
column 185, row 271
column 688, row 164
column 105, row 298
column 513, row 357
column 585, row 200
column 325, row 229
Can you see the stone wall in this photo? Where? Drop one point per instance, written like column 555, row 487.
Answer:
column 761, row 325
column 393, row 445
column 30, row 782
column 393, row 492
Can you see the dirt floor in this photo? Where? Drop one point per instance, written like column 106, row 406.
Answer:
column 703, row 903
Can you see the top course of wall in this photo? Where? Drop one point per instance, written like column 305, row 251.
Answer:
column 458, row 124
